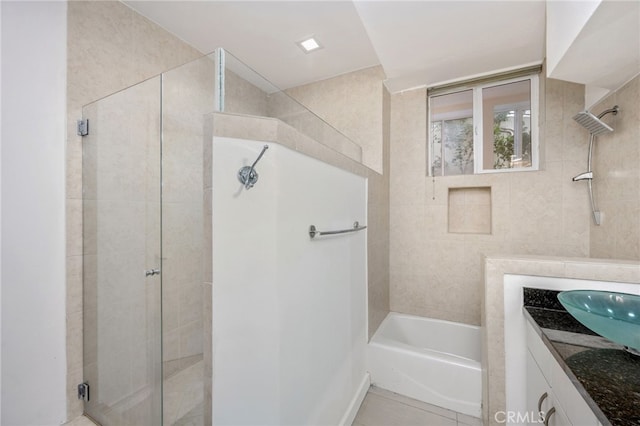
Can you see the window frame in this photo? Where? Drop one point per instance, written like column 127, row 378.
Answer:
column 477, row 111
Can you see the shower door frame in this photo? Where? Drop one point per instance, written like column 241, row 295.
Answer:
column 122, row 256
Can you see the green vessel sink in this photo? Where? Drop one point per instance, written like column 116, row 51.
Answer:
column 615, row 316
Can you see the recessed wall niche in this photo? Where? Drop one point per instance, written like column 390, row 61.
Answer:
column 470, row 210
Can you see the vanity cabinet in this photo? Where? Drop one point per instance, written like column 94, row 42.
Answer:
column 562, row 405
column 543, row 406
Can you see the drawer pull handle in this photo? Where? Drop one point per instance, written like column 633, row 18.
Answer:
column 541, row 400
column 548, row 416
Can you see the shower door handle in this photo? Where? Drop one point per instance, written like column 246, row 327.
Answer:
column 151, row 272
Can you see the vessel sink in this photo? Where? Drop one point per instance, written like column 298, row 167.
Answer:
column 615, row 316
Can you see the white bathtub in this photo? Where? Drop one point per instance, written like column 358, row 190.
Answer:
column 430, row 360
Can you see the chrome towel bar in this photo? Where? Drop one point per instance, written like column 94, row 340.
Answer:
column 313, row 232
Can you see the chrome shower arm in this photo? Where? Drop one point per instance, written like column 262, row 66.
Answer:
column 613, row 110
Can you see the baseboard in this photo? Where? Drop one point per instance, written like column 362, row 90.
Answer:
column 356, row 401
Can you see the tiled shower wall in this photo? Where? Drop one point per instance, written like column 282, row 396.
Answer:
column 186, row 97
column 616, row 165
column 352, row 103
column 437, row 273
column 110, row 47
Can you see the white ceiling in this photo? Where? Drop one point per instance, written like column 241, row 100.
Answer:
column 606, row 53
column 428, row 42
column 418, row 43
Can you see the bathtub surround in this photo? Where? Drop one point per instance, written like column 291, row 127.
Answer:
column 540, row 213
column 437, row 273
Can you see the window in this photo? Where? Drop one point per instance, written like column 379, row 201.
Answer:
column 490, row 127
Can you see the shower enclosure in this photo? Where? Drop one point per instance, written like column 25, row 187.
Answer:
column 145, row 236
column 143, row 262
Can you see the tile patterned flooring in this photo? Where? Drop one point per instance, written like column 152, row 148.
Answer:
column 80, row 421
column 379, row 408
column 183, row 393
column 384, row 408
column 183, row 397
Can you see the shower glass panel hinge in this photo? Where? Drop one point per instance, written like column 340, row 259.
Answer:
column 83, row 391
column 83, row 127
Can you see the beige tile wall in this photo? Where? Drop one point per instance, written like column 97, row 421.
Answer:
column 436, row 273
column 109, row 47
column 242, row 97
column 470, row 210
column 285, row 108
column 616, row 165
column 352, row 103
column 187, row 96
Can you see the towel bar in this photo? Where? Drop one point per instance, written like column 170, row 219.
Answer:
column 313, row 232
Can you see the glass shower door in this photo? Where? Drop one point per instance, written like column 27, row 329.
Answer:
column 122, row 257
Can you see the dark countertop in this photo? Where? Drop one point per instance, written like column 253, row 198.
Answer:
column 605, row 374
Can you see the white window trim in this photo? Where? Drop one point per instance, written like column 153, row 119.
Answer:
column 478, row 127
column 519, row 108
column 535, row 112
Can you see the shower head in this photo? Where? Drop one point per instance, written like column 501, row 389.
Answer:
column 593, row 124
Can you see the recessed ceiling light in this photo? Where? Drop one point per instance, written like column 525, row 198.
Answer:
column 309, row 45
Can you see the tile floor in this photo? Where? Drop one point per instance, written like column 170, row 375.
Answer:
column 183, row 397
column 380, row 408
column 183, row 403
column 80, row 421
column 383, row 408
